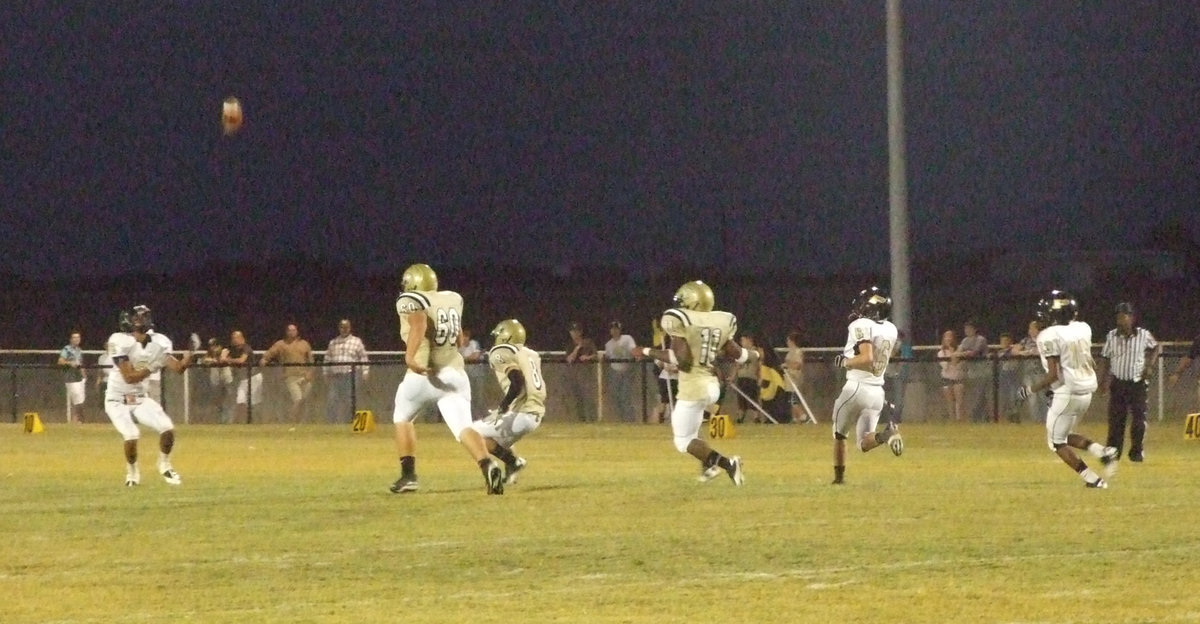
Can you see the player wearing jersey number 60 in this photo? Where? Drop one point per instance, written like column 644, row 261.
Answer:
column 430, row 321
column 700, row 336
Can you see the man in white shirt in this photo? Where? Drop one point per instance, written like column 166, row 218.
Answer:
column 619, row 383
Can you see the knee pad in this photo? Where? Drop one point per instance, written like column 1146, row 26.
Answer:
column 681, row 444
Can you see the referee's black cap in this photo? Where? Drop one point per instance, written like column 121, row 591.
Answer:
column 1125, row 308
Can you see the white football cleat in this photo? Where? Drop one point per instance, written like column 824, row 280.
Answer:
column 168, row 474
column 710, row 473
column 1110, row 459
column 896, row 443
column 510, row 472
column 735, row 471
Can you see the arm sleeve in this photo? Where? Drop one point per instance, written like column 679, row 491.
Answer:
column 516, row 385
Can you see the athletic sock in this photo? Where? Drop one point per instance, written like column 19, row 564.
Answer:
column 505, row 455
column 839, row 472
column 408, row 466
column 484, row 465
column 881, row 437
column 1089, row 476
column 1096, row 449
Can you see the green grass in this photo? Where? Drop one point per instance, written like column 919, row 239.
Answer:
column 972, row 524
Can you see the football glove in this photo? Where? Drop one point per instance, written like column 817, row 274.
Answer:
column 1024, row 392
column 839, row 361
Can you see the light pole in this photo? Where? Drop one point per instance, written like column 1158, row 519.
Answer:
column 897, row 182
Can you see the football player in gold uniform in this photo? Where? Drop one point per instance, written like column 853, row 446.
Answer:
column 700, row 337
column 519, row 371
column 430, row 321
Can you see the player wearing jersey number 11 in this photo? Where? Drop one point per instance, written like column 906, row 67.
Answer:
column 699, row 337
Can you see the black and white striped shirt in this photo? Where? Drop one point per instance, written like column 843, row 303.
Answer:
column 1126, row 355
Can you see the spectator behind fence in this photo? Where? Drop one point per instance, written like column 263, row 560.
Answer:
column 343, row 349
column 240, row 356
column 1031, row 371
column 748, row 376
column 620, row 372
column 579, row 387
column 74, row 377
column 973, row 351
column 793, row 375
column 220, row 380
column 1010, row 371
column 952, row 376
column 1131, row 355
column 476, row 362
column 668, row 378
column 293, row 352
column 1192, row 355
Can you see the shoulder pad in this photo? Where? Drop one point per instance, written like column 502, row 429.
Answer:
column 411, row 301
column 674, row 321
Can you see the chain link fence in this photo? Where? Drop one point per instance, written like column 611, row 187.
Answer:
column 608, row 391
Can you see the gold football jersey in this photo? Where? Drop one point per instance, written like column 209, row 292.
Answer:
column 506, row 357
column 705, row 333
column 443, row 309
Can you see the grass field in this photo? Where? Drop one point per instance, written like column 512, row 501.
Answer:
column 972, row 524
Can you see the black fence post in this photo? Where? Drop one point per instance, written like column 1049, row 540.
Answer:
column 249, row 391
column 996, row 388
column 353, row 389
column 645, row 392
column 13, row 392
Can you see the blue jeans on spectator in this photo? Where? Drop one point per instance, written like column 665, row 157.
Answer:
column 339, row 405
column 620, row 393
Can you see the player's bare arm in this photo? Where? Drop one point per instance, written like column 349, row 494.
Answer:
column 417, row 324
column 865, row 360
column 516, row 385
column 131, row 374
column 1051, row 376
column 677, row 355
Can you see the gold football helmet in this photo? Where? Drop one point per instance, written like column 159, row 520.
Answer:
column 419, row 277
column 695, row 296
column 509, row 331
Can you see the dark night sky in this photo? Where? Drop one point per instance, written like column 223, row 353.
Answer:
column 586, row 133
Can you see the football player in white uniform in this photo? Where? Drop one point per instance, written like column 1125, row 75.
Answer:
column 519, row 371
column 869, row 342
column 699, row 337
column 430, row 321
column 136, row 354
column 1065, row 345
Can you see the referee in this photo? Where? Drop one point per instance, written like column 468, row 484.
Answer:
column 1131, row 354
